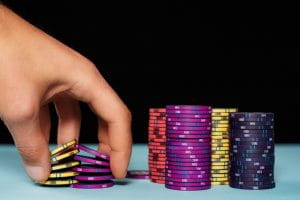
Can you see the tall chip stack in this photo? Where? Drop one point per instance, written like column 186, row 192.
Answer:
column 157, row 144
column 95, row 173
column 188, row 164
column 220, row 145
column 61, row 164
column 252, row 151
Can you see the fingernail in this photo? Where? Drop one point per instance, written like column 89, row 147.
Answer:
column 37, row 173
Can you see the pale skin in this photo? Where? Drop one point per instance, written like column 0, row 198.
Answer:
column 35, row 70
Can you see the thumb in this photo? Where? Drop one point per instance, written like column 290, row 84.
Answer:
column 31, row 143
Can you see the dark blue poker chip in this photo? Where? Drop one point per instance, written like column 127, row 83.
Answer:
column 268, row 159
column 252, row 187
column 251, row 175
column 249, row 179
column 236, row 131
column 251, row 169
column 251, row 119
column 252, row 115
column 243, row 143
column 265, row 123
column 251, row 163
column 251, row 151
column 242, row 139
column 234, row 126
column 249, row 135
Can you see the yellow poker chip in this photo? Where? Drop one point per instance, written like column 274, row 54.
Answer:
column 220, row 183
column 58, row 182
column 220, row 179
column 63, row 147
column 220, row 114
column 220, row 152
column 220, row 144
column 220, row 163
column 220, row 125
column 220, row 140
column 220, row 148
column 224, row 176
column 219, row 167
column 219, row 118
column 219, row 129
column 219, row 133
column 220, row 121
column 214, row 156
column 220, row 160
column 214, row 137
column 63, row 156
column 63, row 174
column 218, row 110
column 65, row 165
column 219, row 171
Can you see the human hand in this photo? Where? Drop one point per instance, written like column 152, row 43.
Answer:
column 36, row 69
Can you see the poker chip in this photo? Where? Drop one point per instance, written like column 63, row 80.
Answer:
column 252, row 151
column 94, row 185
column 188, row 148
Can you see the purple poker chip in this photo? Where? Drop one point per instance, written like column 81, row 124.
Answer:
column 92, row 151
column 188, row 180
column 138, row 174
column 202, row 176
column 252, row 187
column 172, row 187
column 184, row 156
column 188, row 116
column 90, row 160
column 94, row 178
column 183, row 128
column 182, row 172
column 196, row 148
column 188, row 136
column 91, row 169
column 188, row 160
column 189, row 112
column 187, row 184
column 96, row 185
column 193, row 140
column 194, row 164
column 186, row 124
column 188, row 152
column 188, row 107
column 180, row 132
column 186, row 120
column 174, row 167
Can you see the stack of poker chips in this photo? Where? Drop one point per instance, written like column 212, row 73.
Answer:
column 62, row 163
column 188, row 164
column 157, row 144
column 220, row 145
column 138, row 174
column 95, row 173
column 252, row 151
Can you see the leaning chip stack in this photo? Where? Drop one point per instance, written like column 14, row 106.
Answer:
column 157, row 144
column 220, row 145
column 252, row 151
column 95, row 173
column 62, row 163
column 188, row 164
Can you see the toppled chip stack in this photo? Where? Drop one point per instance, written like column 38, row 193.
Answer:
column 62, row 163
column 220, row 145
column 252, row 151
column 157, row 144
column 188, row 164
column 95, row 173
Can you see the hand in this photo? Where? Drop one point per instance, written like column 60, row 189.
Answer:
column 36, row 69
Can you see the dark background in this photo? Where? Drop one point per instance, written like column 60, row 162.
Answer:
column 158, row 53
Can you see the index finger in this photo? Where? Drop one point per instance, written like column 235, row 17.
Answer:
column 107, row 105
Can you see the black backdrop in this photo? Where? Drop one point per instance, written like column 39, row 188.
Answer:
column 155, row 54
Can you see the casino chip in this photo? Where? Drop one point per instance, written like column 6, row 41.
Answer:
column 62, row 163
column 220, row 145
column 188, row 147
column 252, row 151
column 95, row 173
column 156, row 146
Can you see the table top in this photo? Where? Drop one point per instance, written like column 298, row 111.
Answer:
column 14, row 184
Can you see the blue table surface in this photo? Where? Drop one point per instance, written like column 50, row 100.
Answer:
column 14, row 184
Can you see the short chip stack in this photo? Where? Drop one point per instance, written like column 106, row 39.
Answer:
column 252, row 151
column 188, row 147
column 61, row 164
column 95, row 173
column 157, row 144
column 220, row 145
